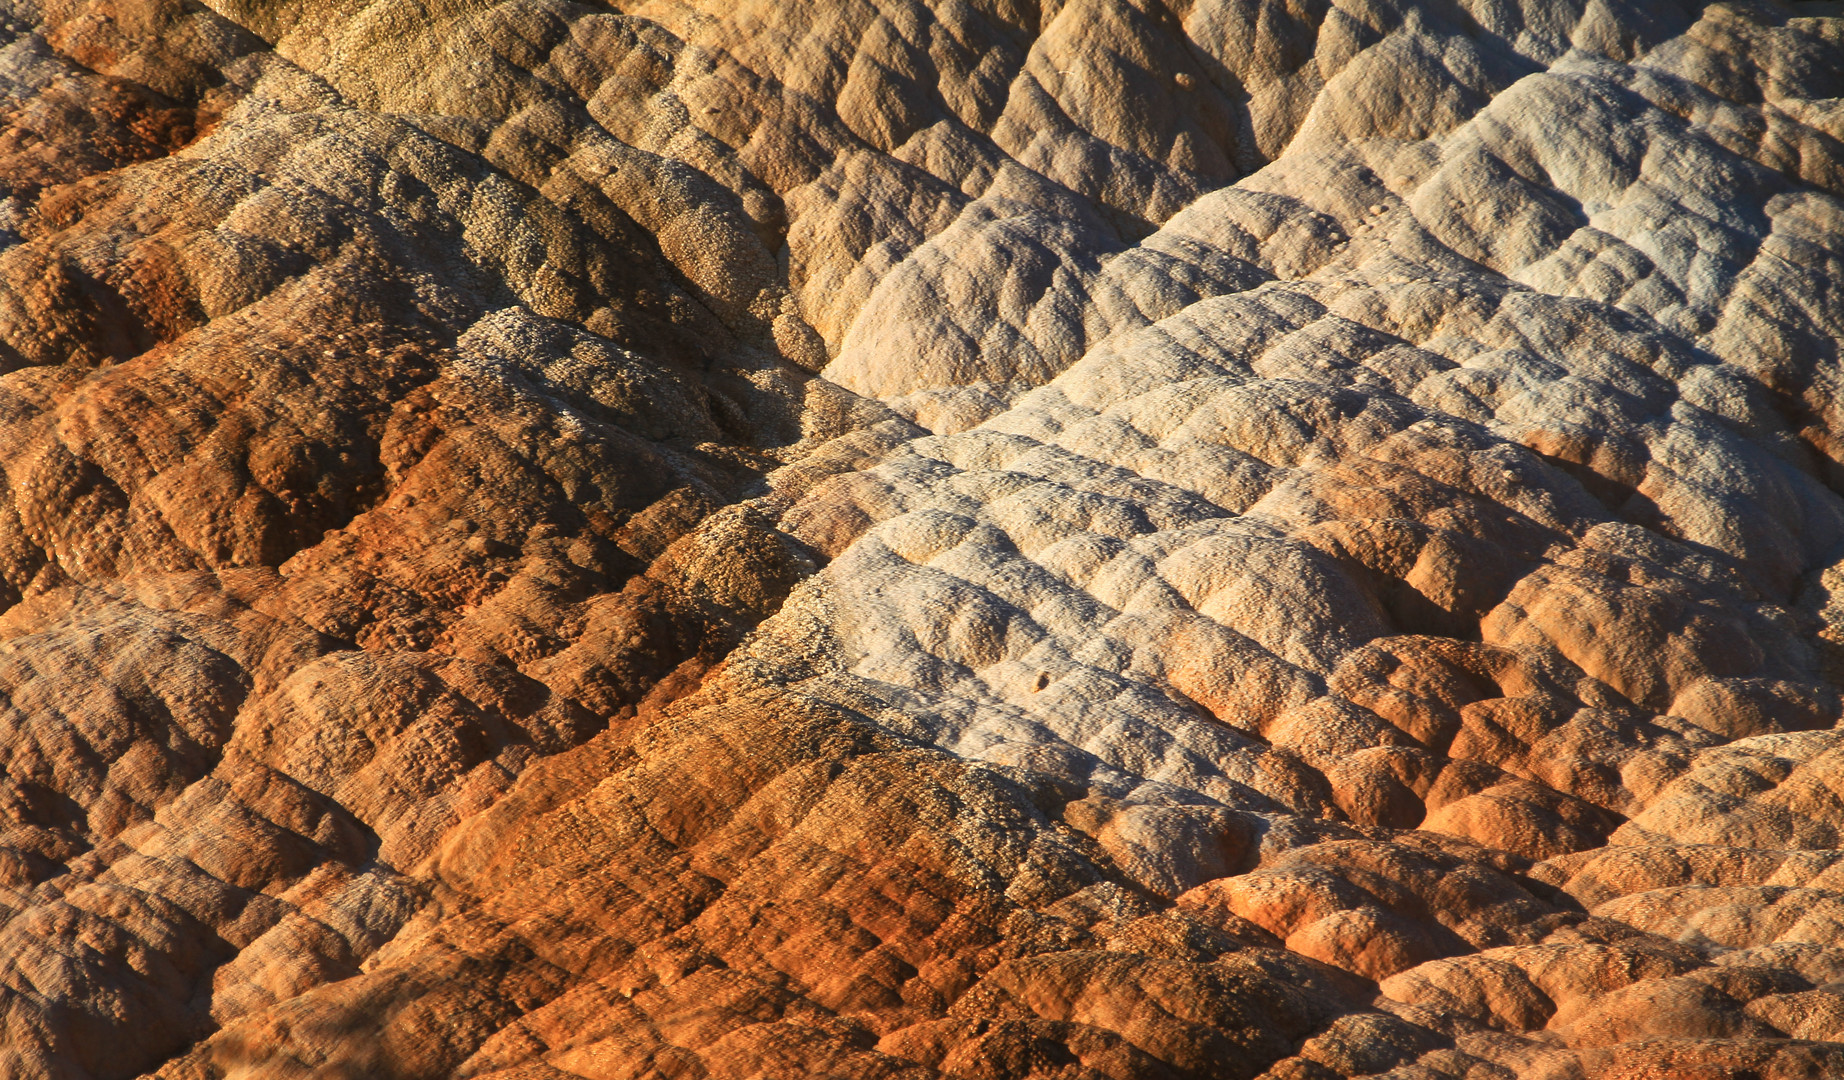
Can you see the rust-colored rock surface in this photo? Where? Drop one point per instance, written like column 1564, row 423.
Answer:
column 921, row 539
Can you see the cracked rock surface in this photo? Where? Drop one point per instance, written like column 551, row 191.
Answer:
column 921, row 539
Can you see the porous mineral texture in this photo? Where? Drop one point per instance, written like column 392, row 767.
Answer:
column 921, row 539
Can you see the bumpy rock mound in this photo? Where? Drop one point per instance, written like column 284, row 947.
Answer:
column 974, row 539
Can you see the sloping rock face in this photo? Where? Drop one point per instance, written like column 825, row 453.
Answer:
column 982, row 539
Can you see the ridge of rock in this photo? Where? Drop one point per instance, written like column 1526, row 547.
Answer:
column 976, row 539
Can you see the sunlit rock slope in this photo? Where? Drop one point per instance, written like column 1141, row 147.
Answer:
column 912, row 539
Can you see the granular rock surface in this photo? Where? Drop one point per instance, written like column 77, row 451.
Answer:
column 911, row 539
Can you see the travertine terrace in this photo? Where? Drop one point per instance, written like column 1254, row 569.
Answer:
column 913, row 539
